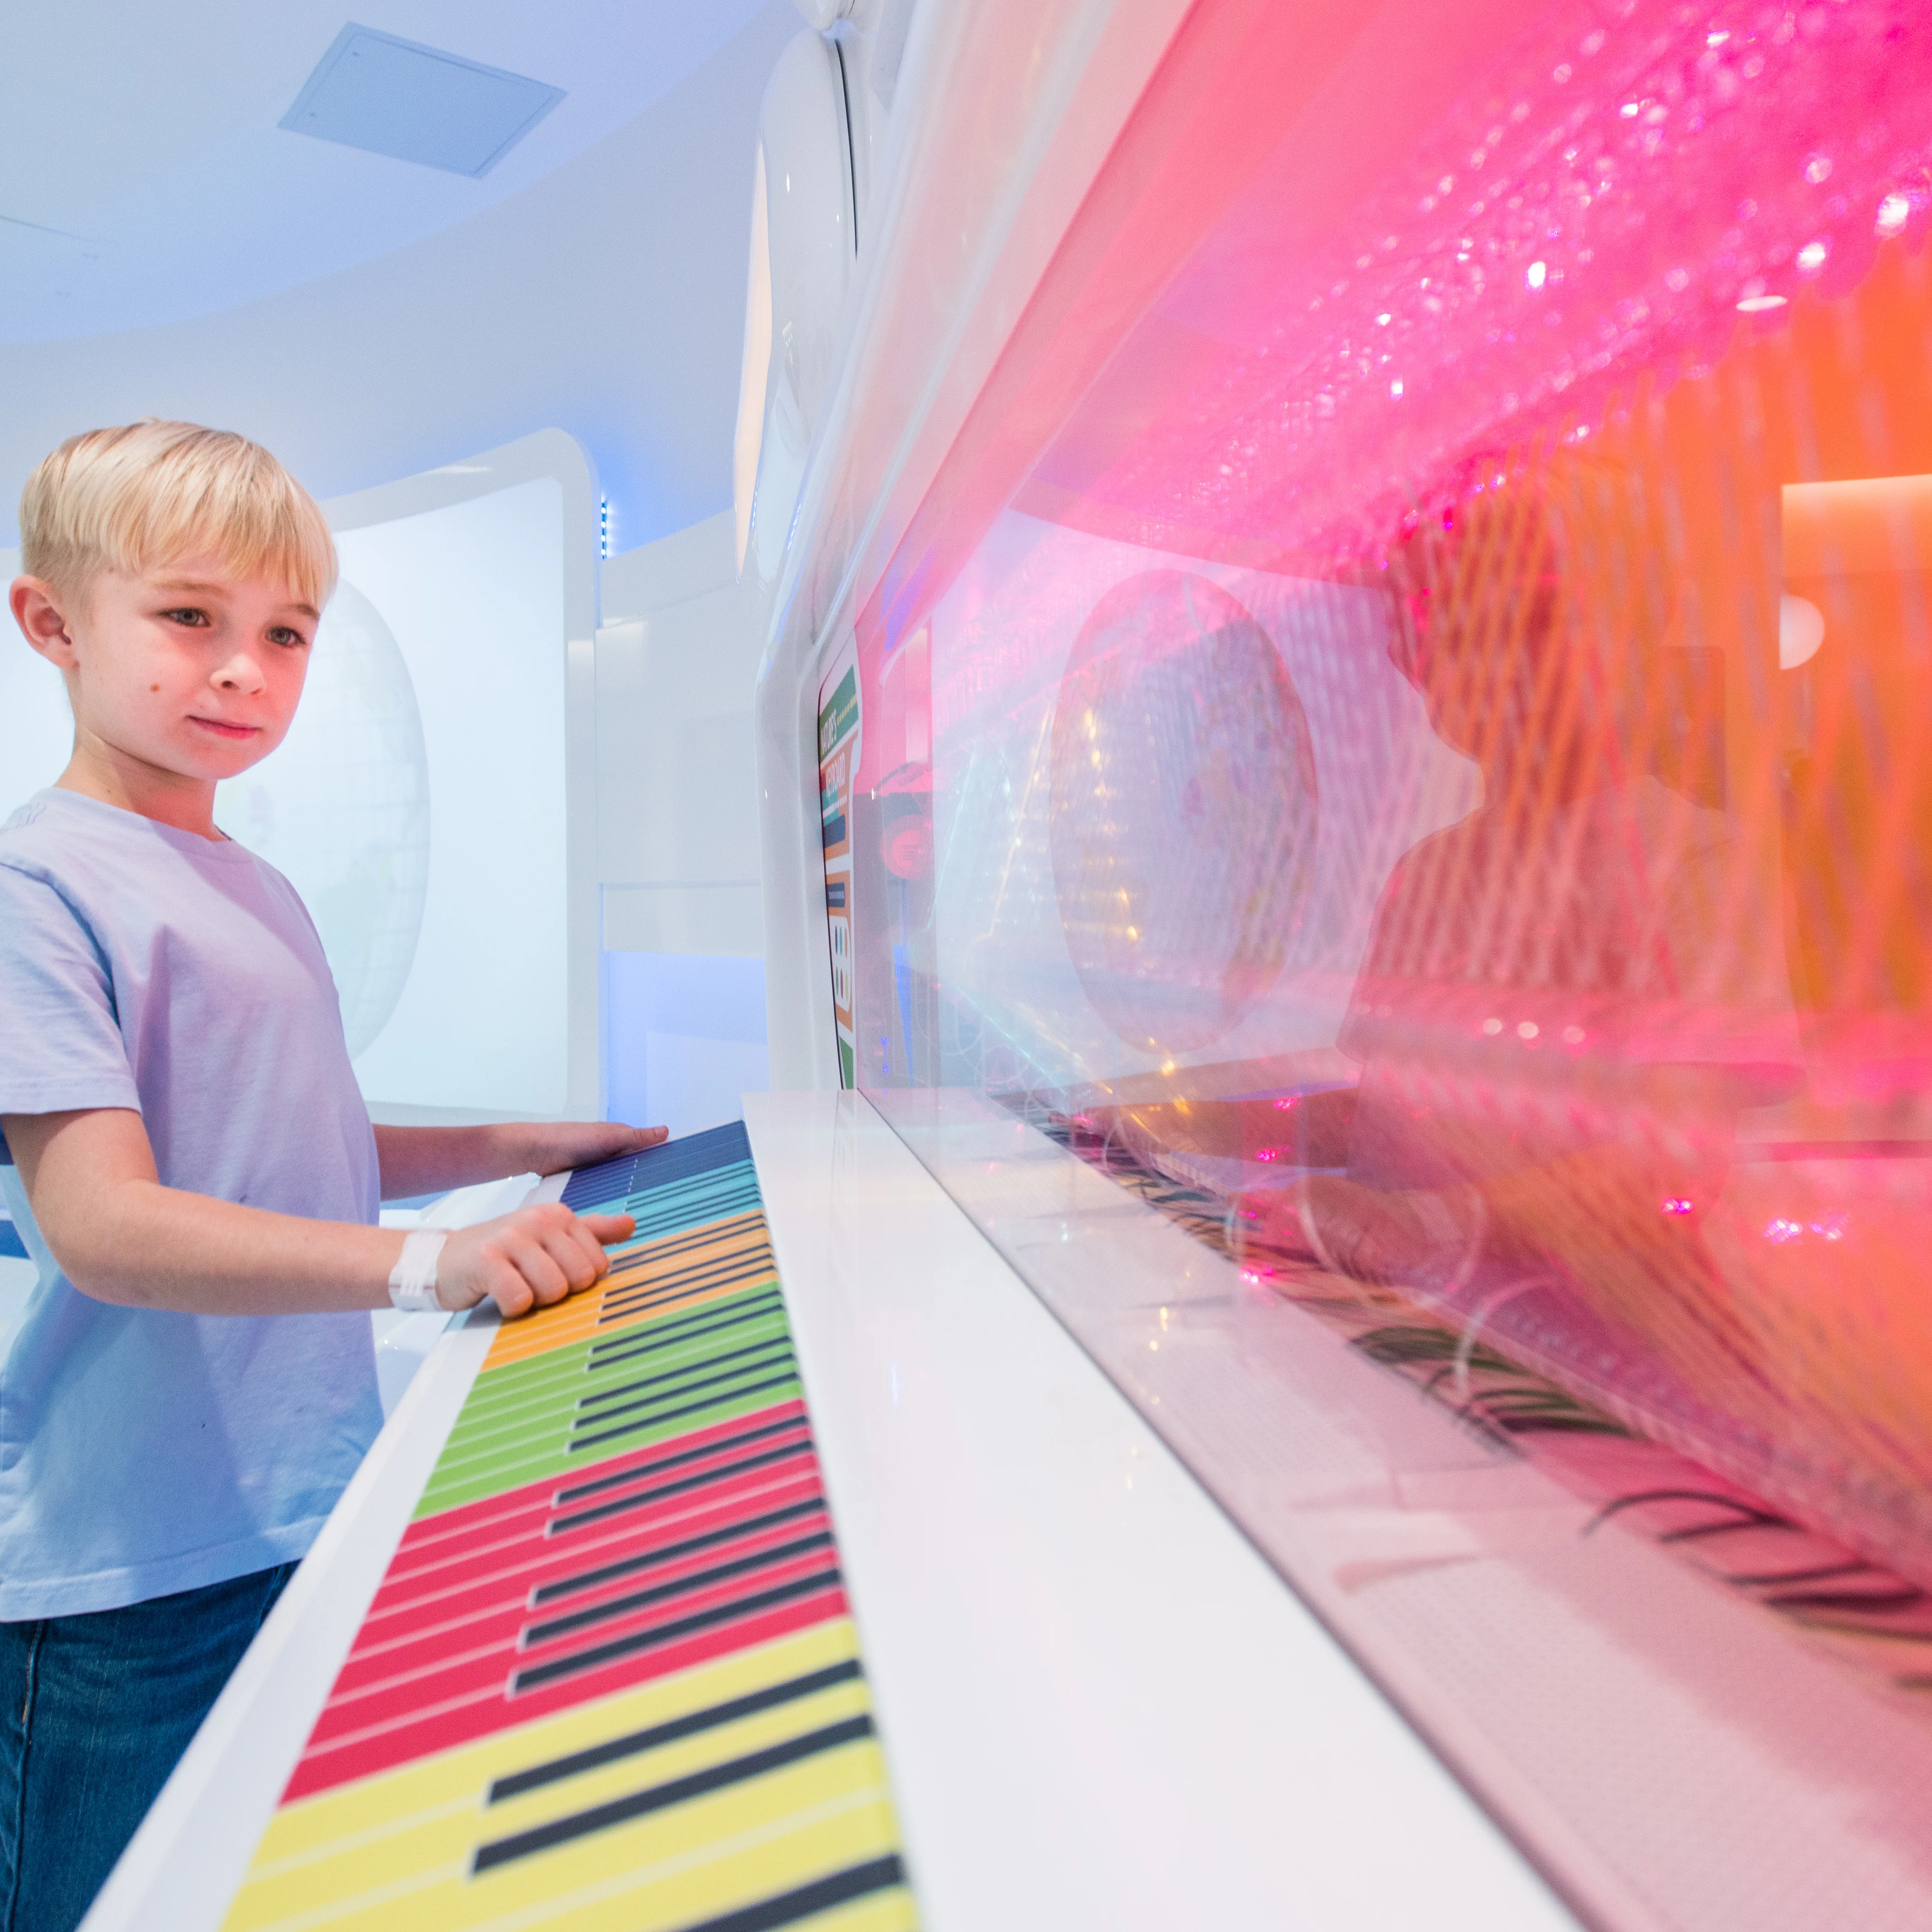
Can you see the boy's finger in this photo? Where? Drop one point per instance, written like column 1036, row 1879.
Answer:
column 576, row 1253
column 538, row 1266
column 609, row 1228
column 509, row 1290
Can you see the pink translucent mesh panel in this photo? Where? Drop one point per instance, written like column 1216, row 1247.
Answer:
column 1402, row 733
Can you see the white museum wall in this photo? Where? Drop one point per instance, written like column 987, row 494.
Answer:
column 683, row 978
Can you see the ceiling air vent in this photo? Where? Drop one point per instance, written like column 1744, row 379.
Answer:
column 397, row 97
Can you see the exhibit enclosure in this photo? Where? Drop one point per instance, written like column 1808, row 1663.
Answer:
column 1375, row 827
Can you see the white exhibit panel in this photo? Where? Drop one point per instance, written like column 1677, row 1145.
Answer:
column 435, row 801
column 684, row 1037
column 474, row 593
column 682, row 936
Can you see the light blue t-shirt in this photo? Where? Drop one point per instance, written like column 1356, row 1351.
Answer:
column 144, row 1452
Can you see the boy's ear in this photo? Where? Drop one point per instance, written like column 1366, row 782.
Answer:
column 37, row 610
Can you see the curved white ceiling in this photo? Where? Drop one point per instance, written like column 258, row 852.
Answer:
column 148, row 133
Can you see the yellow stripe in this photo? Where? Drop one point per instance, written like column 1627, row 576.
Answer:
column 395, row 1850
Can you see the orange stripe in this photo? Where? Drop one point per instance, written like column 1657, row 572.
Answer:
column 634, row 1273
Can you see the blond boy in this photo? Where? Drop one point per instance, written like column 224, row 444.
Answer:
column 193, row 1384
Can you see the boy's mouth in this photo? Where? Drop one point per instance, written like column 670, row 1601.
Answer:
column 223, row 729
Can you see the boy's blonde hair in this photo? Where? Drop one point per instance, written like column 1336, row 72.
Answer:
column 151, row 493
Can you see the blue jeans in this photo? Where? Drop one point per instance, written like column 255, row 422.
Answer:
column 94, row 1711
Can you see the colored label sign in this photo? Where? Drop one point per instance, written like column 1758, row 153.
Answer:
column 839, row 742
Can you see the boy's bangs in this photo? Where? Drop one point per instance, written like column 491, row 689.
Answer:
column 266, row 539
column 153, row 493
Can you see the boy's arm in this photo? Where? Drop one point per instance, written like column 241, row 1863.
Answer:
column 121, row 1237
column 431, row 1160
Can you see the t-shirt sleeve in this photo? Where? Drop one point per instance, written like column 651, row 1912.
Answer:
column 60, row 1042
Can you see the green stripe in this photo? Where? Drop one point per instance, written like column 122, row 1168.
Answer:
column 515, row 1427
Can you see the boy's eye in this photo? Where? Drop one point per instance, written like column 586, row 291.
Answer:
column 282, row 635
column 187, row 616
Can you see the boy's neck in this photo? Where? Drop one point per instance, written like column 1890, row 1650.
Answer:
column 99, row 771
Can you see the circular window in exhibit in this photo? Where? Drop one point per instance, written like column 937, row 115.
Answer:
column 342, row 806
column 1184, row 810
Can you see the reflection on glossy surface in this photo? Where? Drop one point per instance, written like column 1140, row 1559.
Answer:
column 1183, row 813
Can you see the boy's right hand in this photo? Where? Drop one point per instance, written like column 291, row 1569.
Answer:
column 527, row 1260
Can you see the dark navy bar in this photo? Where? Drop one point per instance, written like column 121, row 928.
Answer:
column 633, row 1173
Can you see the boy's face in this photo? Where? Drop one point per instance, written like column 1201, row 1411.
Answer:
column 185, row 669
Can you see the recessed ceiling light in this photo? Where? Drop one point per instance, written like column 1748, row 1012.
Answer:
column 417, row 103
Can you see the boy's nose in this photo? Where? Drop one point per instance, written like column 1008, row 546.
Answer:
column 240, row 673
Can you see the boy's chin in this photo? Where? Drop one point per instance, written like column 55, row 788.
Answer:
column 211, row 763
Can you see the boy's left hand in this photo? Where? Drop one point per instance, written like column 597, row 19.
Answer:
column 555, row 1145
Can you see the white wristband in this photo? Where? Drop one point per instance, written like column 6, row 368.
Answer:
column 413, row 1279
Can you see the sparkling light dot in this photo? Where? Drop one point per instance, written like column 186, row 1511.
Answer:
column 1893, row 214
column 1492, row 1027
column 1395, row 390
column 1536, row 274
column 1527, row 1029
column 1757, row 304
column 1811, row 257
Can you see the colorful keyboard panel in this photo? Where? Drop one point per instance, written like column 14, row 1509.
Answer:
column 611, row 1678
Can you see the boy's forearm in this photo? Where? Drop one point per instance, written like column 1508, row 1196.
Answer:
column 432, row 1160
column 120, row 1237
column 140, row 1245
